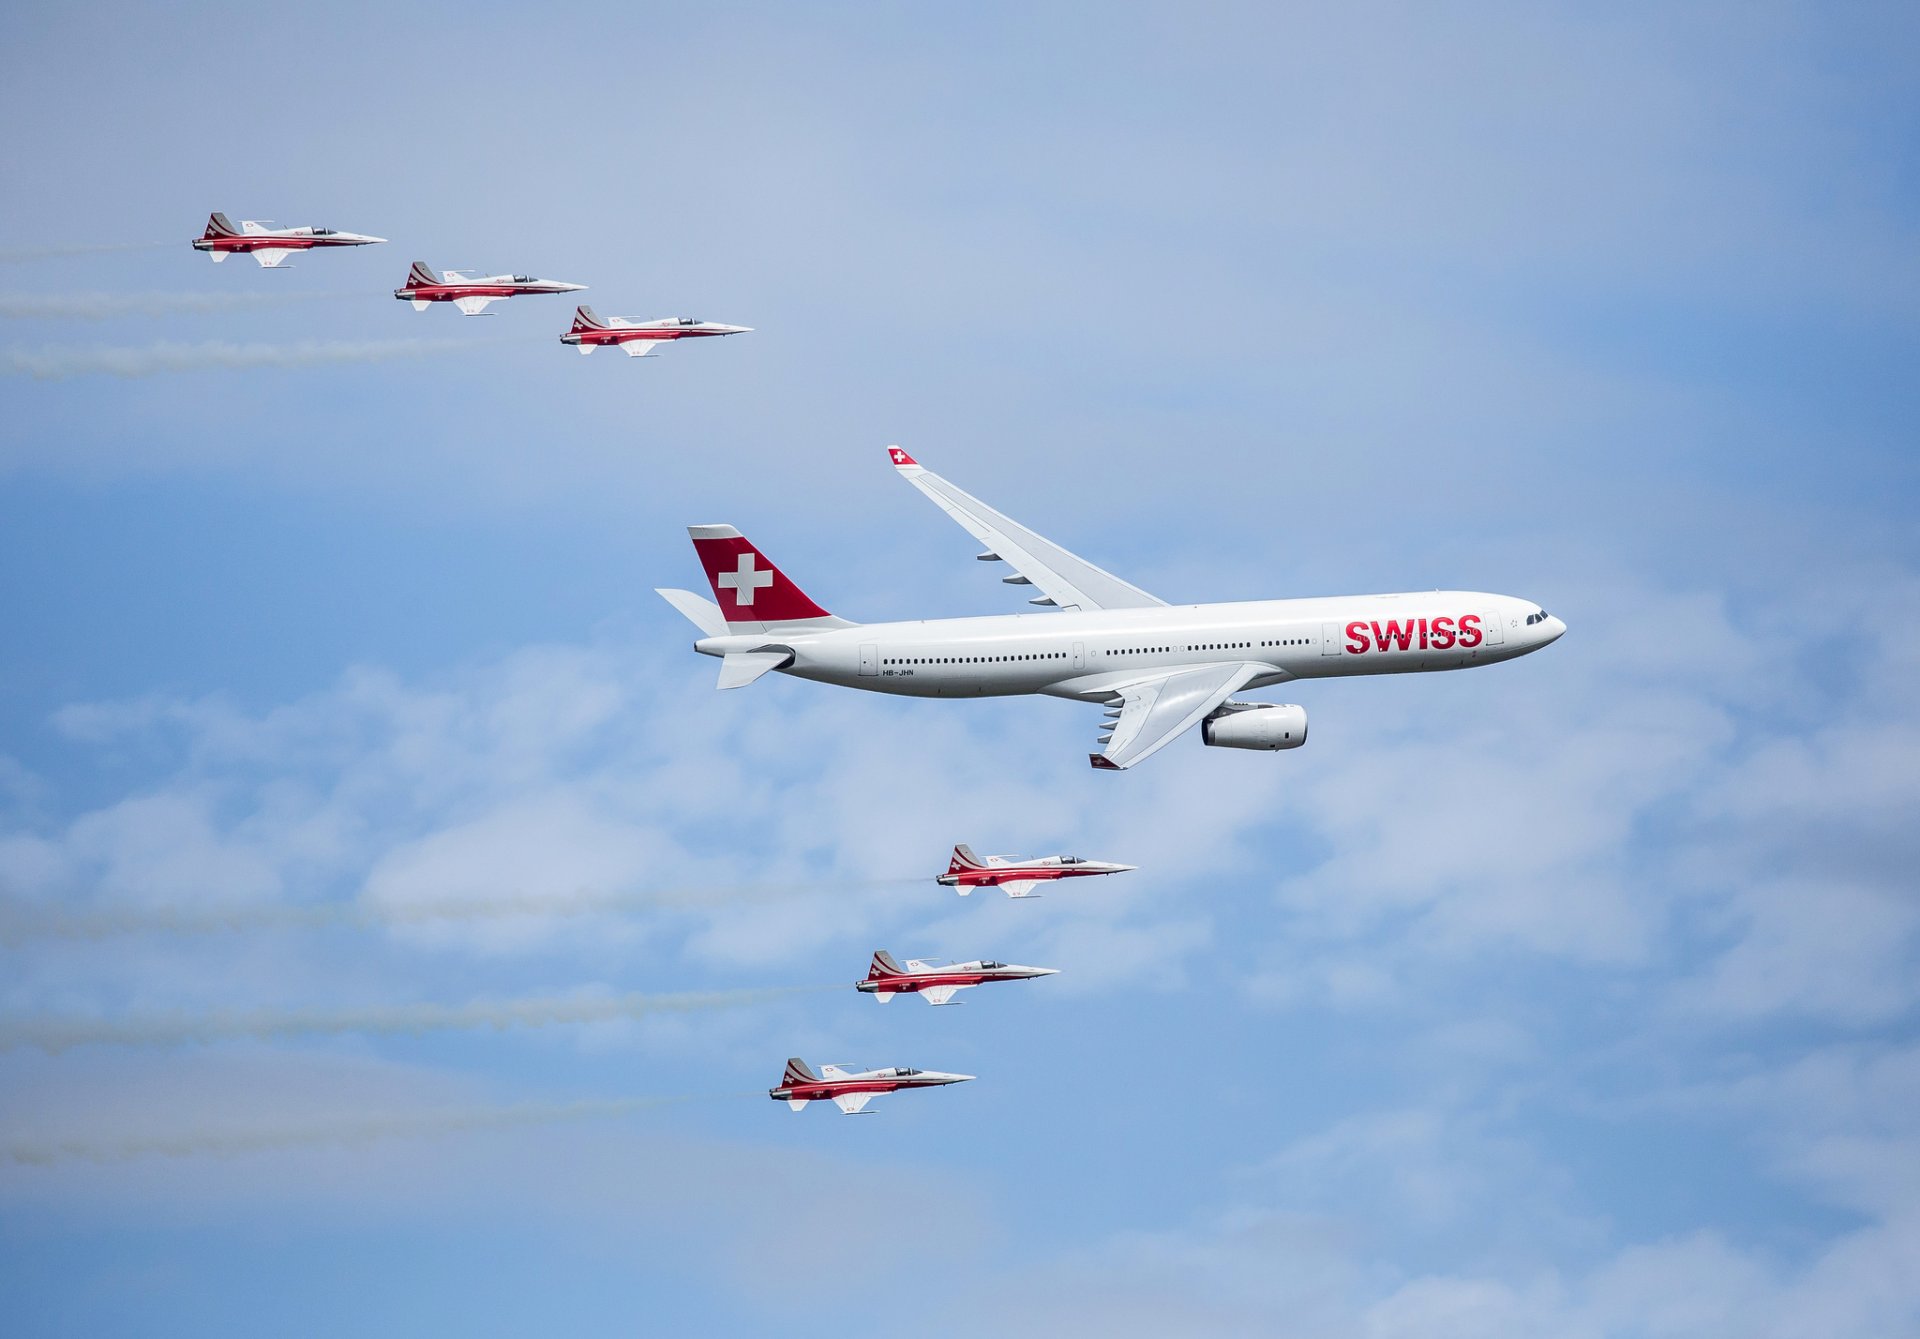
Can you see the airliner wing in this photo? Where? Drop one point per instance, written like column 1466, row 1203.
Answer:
column 1153, row 711
column 1064, row 578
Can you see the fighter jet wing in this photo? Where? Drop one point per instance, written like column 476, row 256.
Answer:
column 939, row 994
column 472, row 306
column 640, row 348
column 270, row 257
column 1020, row 887
column 852, row 1103
column 1065, row 579
column 1155, row 710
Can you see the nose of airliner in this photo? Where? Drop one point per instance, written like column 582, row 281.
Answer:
column 1555, row 629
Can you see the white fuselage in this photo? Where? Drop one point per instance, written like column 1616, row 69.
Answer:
column 1086, row 654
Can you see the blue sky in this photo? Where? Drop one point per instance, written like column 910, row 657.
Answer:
column 1572, row 997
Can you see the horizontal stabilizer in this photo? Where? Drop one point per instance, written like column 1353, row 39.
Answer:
column 798, row 1103
column 703, row 613
column 740, row 668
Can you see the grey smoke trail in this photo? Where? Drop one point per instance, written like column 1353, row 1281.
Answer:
column 19, row 922
column 109, row 306
column 154, row 359
column 18, row 254
column 340, row 1130
column 59, row 1034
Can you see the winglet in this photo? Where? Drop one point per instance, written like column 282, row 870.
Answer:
column 901, row 460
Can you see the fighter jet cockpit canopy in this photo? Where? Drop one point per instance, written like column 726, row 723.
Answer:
column 687, row 320
column 989, row 964
column 525, row 279
column 323, row 232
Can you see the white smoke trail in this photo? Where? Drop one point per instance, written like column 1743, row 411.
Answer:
column 19, row 254
column 20, row 922
column 154, row 359
column 110, row 306
column 339, row 1130
column 59, row 1034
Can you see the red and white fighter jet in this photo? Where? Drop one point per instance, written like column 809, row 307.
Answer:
column 1014, row 876
column 639, row 338
column 471, row 292
column 935, row 982
column 267, row 245
column 848, row 1090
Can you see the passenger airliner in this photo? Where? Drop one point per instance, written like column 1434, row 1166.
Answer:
column 1157, row 668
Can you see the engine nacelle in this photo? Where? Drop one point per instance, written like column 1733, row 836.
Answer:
column 1255, row 725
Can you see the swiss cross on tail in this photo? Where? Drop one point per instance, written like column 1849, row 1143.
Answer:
column 749, row 588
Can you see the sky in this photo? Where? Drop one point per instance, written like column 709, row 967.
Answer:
column 398, row 933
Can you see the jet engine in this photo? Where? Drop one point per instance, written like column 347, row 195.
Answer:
column 1255, row 725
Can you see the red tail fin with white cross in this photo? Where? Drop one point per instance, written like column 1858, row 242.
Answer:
column 754, row 595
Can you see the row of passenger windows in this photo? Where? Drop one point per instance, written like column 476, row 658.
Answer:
column 974, row 660
column 1204, row 646
column 1117, row 651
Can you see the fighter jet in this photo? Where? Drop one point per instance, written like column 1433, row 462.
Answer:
column 267, row 245
column 1014, row 876
column 851, row 1091
column 935, row 982
column 471, row 292
column 639, row 338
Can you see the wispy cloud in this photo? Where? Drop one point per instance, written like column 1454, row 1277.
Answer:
column 155, row 359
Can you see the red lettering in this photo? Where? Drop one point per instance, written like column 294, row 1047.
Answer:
column 1443, row 634
column 1394, row 633
column 1356, row 637
column 1469, row 631
column 1423, row 634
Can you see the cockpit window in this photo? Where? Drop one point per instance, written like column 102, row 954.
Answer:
column 991, row 964
column 689, row 320
column 524, row 279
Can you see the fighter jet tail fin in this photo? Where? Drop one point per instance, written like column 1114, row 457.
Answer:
column 753, row 594
column 219, row 225
column 884, row 965
column 798, row 1071
column 964, row 860
column 584, row 319
column 421, row 275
